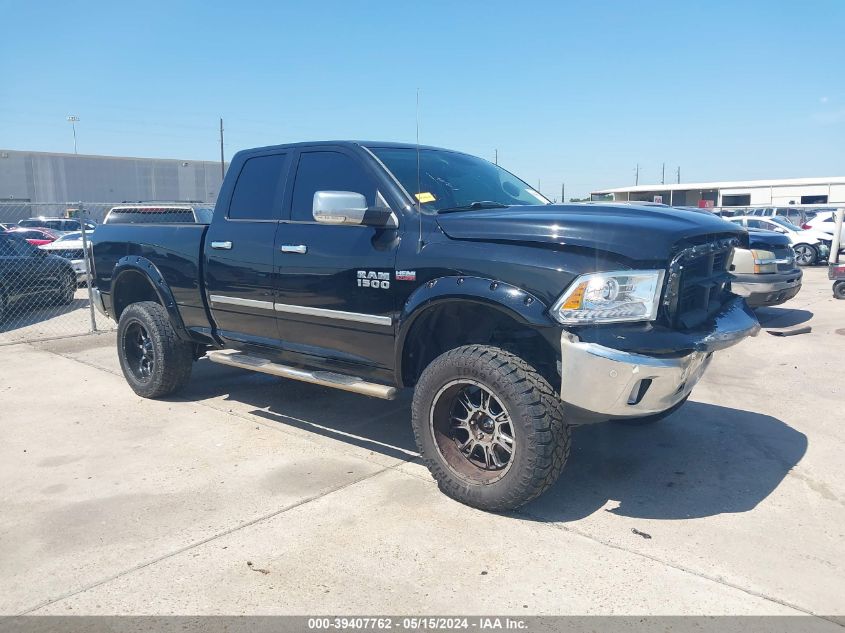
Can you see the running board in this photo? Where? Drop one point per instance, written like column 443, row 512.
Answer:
column 234, row 358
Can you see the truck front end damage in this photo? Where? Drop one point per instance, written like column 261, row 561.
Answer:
column 619, row 370
column 600, row 382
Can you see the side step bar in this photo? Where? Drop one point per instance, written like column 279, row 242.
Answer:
column 343, row 382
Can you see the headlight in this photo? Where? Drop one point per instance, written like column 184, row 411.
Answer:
column 764, row 261
column 623, row 295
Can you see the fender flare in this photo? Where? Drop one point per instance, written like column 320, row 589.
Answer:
column 515, row 302
column 142, row 265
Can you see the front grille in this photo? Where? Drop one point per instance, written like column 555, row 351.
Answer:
column 695, row 288
column 786, row 258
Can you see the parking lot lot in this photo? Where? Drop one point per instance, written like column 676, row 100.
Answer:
column 250, row 494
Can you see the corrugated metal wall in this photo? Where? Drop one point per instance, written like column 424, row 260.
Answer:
column 45, row 177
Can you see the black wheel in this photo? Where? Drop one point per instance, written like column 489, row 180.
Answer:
column 154, row 360
column 66, row 289
column 651, row 419
column 805, row 254
column 489, row 427
column 838, row 292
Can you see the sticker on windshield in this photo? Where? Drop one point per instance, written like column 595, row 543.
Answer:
column 425, row 196
column 537, row 195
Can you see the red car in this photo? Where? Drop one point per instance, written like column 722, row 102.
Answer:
column 36, row 237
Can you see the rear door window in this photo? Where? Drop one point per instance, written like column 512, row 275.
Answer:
column 258, row 188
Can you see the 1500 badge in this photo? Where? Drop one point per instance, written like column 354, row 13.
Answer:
column 372, row 279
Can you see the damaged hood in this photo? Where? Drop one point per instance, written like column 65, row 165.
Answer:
column 636, row 232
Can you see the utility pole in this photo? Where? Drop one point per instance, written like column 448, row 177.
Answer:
column 222, row 162
column 562, row 192
column 663, row 175
column 538, row 186
column 496, row 159
column 679, row 174
column 637, row 176
column 73, row 120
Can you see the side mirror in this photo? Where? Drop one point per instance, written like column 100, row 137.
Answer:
column 347, row 207
column 339, row 207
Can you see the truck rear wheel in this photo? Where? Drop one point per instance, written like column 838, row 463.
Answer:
column 154, row 360
column 839, row 290
column 489, row 427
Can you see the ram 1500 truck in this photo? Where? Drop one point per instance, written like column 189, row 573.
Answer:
column 373, row 267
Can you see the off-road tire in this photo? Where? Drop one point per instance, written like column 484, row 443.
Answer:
column 651, row 419
column 541, row 436
column 809, row 260
column 172, row 357
column 838, row 290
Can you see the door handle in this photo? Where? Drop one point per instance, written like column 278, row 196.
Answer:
column 301, row 249
column 222, row 246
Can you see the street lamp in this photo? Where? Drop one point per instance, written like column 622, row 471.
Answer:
column 73, row 120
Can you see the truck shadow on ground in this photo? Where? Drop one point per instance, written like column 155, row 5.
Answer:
column 782, row 317
column 703, row 460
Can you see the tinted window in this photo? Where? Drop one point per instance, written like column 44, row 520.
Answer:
column 758, row 224
column 19, row 247
column 5, row 247
column 151, row 215
column 204, row 215
column 256, row 191
column 328, row 171
column 31, row 223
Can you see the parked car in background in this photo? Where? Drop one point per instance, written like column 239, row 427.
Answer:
column 791, row 214
column 28, row 274
column 36, row 237
column 159, row 212
column 7, row 226
column 58, row 225
column 825, row 221
column 810, row 246
column 765, row 273
column 69, row 246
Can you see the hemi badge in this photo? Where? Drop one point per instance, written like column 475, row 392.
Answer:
column 406, row 275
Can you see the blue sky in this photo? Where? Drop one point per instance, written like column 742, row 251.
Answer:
column 567, row 92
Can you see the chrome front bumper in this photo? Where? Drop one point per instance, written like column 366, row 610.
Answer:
column 608, row 383
column 599, row 382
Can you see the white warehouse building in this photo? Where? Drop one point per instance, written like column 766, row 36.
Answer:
column 738, row 193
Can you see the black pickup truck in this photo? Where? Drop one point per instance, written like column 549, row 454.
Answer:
column 373, row 267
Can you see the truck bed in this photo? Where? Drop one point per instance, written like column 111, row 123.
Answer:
column 174, row 249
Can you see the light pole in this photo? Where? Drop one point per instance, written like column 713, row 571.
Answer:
column 73, row 120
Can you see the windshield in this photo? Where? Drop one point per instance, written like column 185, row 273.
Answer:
column 449, row 180
column 785, row 223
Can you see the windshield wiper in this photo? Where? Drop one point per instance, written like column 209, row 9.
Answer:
column 482, row 204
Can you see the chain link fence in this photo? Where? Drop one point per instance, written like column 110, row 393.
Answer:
column 44, row 278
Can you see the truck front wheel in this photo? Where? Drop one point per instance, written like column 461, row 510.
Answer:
column 489, row 427
column 154, row 360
